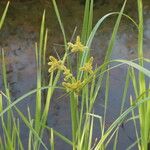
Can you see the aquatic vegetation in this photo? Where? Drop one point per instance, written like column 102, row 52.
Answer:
column 81, row 86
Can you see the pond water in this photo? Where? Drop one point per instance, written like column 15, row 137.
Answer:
column 21, row 31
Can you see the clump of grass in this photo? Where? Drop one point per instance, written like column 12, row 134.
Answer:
column 82, row 90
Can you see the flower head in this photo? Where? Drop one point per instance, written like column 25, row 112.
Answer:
column 88, row 66
column 75, row 86
column 77, row 46
column 55, row 64
column 67, row 73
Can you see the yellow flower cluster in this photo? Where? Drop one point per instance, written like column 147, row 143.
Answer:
column 55, row 64
column 88, row 66
column 77, row 46
column 71, row 84
column 58, row 65
column 75, row 86
column 68, row 75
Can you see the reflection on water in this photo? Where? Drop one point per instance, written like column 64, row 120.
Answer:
column 21, row 31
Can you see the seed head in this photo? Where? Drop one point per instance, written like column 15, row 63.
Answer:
column 75, row 86
column 54, row 64
column 88, row 66
column 77, row 46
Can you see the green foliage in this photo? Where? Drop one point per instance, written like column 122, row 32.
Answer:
column 84, row 86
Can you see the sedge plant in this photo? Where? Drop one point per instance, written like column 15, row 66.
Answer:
column 79, row 87
column 82, row 87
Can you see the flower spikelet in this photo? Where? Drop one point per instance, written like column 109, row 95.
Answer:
column 77, row 46
column 67, row 73
column 75, row 86
column 88, row 66
column 55, row 64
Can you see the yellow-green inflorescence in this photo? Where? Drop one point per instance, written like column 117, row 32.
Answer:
column 70, row 83
column 77, row 46
column 74, row 86
column 88, row 66
column 68, row 75
column 55, row 64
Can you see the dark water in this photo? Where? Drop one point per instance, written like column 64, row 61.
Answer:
column 21, row 31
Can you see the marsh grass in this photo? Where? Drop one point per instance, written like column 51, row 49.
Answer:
column 82, row 98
